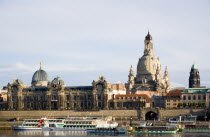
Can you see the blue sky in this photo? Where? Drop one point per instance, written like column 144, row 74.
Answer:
column 79, row 40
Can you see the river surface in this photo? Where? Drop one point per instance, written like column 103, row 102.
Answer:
column 11, row 133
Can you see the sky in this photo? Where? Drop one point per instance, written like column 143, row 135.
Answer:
column 78, row 40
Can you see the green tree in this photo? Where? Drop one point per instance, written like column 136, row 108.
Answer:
column 203, row 104
column 199, row 104
column 194, row 104
column 179, row 105
column 184, row 104
column 189, row 104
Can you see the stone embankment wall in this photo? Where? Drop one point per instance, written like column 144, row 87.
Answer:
column 168, row 113
column 59, row 114
column 119, row 114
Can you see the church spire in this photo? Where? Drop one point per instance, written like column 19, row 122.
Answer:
column 131, row 76
column 131, row 71
column 40, row 65
column 166, row 74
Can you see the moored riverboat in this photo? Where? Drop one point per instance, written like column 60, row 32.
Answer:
column 108, row 128
column 143, row 129
column 198, row 128
column 69, row 123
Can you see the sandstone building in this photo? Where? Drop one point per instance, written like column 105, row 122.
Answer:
column 55, row 95
column 149, row 76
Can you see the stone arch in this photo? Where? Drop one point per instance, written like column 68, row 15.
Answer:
column 151, row 115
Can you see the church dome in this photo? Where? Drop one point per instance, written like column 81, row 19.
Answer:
column 40, row 78
column 57, row 81
column 148, row 64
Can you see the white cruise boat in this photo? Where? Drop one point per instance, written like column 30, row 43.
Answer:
column 69, row 124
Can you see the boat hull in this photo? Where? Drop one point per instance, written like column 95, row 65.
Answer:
column 49, row 129
column 196, row 130
column 155, row 132
column 97, row 131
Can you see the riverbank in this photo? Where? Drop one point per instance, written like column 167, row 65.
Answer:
column 7, row 125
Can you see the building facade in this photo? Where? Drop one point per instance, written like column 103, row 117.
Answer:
column 173, row 98
column 55, row 95
column 196, row 97
column 3, row 99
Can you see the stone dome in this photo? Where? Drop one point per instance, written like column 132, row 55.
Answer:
column 40, row 78
column 40, row 75
column 148, row 64
column 57, row 81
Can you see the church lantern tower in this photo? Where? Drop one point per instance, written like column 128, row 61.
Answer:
column 194, row 79
column 148, row 49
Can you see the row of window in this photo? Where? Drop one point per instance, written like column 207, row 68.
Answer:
column 173, row 96
column 76, row 122
column 194, row 97
column 131, row 98
column 77, row 126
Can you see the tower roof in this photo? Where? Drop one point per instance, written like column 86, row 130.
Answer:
column 57, row 81
column 194, row 66
column 148, row 37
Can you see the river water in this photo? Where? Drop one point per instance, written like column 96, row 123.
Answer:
column 11, row 133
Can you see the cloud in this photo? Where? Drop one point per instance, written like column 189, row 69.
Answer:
column 101, row 36
column 27, row 68
column 16, row 67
